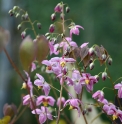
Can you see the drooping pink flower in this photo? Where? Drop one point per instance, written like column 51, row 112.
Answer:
column 42, row 84
column 45, row 100
column 43, row 113
column 74, row 104
column 111, row 109
column 99, row 95
column 119, row 87
column 58, row 8
column 29, row 100
column 75, row 30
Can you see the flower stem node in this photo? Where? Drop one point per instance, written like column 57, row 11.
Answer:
column 104, row 76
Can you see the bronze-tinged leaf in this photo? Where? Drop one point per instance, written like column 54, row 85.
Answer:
column 86, row 60
column 99, row 52
column 4, row 37
column 84, row 52
column 27, row 53
column 42, row 48
column 75, row 53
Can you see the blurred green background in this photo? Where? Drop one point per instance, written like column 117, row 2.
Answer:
column 102, row 21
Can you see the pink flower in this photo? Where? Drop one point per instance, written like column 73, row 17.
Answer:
column 28, row 99
column 88, row 81
column 76, row 81
column 119, row 87
column 62, row 101
column 111, row 109
column 75, row 30
column 74, row 104
column 45, row 100
column 42, row 84
column 43, row 113
column 99, row 95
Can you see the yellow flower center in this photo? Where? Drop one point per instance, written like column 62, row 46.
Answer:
column 39, row 87
column 62, row 63
column 71, row 107
column 24, row 86
column 115, row 117
column 45, row 102
column 87, row 81
column 48, row 68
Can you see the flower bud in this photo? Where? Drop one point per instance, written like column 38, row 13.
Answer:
column 39, row 25
column 11, row 12
column 89, row 109
column 97, row 77
column 110, row 61
column 91, row 51
column 26, row 16
column 15, row 8
column 91, row 66
column 51, row 28
column 53, row 16
column 84, row 111
column 58, row 8
column 23, row 34
column 17, row 15
column 67, row 9
column 62, row 16
column 19, row 26
column 103, row 57
column 104, row 76
column 47, row 34
column 23, row 17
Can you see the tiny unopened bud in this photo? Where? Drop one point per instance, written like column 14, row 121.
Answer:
column 84, row 111
column 17, row 15
column 91, row 51
column 47, row 34
column 53, row 16
column 51, row 28
column 67, row 9
column 19, row 26
column 91, row 66
column 97, row 77
column 24, row 86
column 104, row 76
column 11, row 12
column 91, row 60
column 103, row 57
column 23, row 34
column 23, row 17
column 89, row 109
column 62, row 16
column 15, row 8
column 110, row 61
column 48, row 37
column 26, row 16
column 39, row 25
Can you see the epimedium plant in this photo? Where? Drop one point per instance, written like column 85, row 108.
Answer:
column 68, row 63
